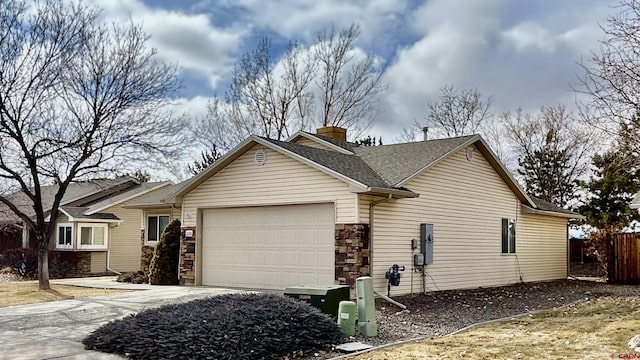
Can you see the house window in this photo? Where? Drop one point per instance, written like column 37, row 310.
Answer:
column 93, row 236
column 508, row 236
column 155, row 227
column 64, row 236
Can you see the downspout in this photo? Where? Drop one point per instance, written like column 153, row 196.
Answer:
column 371, row 205
column 109, row 256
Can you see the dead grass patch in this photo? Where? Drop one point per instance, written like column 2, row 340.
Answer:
column 592, row 330
column 27, row 292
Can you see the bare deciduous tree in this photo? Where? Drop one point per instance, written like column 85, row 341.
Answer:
column 552, row 147
column 458, row 113
column 77, row 98
column 611, row 76
column 348, row 85
column 268, row 97
column 330, row 83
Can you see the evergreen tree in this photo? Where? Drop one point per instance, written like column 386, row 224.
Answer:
column 370, row 141
column 208, row 157
column 163, row 269
column 546, row 172
column 140, row 175
column 613, row 185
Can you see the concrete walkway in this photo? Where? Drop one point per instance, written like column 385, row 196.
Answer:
column 104, row 282
column 54, row 330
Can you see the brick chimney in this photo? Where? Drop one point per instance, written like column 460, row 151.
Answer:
column 333, row 132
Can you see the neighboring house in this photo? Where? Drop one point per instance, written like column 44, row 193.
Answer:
column 635, row 203
column 93, row 220
column 319, row 210
column 158, row 209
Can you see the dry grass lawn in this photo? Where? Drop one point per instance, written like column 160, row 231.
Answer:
column 592, row 330
column 27, row 292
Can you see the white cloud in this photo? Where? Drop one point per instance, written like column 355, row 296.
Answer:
column 191, row 107
column 531, row 36
column 454, row 32
column 305, row 18
column 528, row 60
column 189, row 39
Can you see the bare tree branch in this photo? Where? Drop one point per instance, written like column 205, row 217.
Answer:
column 77, row 98
column 458, row 113
column 349, row 83
column 610, row 77
column 557, row 134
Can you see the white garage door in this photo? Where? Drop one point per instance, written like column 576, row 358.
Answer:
column 268, row 247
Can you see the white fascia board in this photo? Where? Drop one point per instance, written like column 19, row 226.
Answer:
column 311, row 163
column 106, row 206
column 71, row 218
column 529, row 210
column 438, row 160
column 213, row 168
column 97, row 191
column 471, row 141
column 89, row 220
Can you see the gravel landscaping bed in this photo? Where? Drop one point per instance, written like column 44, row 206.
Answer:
column 8, row 275
column 442, row 312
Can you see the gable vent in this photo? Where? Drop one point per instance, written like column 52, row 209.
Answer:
column 469, row 153
column 260, row 157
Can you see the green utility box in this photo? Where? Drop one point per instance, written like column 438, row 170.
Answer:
column 325, row 298
column 347, row 317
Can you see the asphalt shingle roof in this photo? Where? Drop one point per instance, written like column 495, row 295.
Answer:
column 351, row 166
column 130, row 192
column 162, row 196
column 547, row 206
column 75, row 191
column 397, row 162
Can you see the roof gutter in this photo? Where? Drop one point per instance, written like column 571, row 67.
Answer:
column 109, row 255
column 529, row 210
column 397, row 192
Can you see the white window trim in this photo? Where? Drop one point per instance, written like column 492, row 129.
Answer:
column 93, row 225
column 146, row 228
column 515, row 236
column 58, row 226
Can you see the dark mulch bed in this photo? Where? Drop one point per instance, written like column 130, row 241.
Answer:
column 442, row 312
column 235, row 326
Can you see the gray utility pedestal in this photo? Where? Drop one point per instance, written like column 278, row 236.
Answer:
column 326, row 298
column 366, row 307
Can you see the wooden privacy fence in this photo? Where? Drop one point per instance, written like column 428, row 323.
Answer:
column 623, row 260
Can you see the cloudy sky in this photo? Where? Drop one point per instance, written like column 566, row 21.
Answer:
column 524, row 53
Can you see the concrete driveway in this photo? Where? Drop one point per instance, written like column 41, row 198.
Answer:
column 53, row 330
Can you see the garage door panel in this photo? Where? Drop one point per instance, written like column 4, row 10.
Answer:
column 268, row 247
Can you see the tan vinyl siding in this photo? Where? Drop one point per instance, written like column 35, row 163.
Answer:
column 280, row 181
column 466, row 202
column 124, row 239
column 176, row 213
column 314, row 144
column 98, row 261
column 542, row 247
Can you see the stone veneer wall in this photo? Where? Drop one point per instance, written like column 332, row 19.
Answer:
column 67, row 263
column 83, row 265
column 187, row 266
column 146, row 254
column 352, row 253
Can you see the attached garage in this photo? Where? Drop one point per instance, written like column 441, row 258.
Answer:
column 268, row 247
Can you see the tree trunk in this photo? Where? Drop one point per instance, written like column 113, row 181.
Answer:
column 43, row 263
